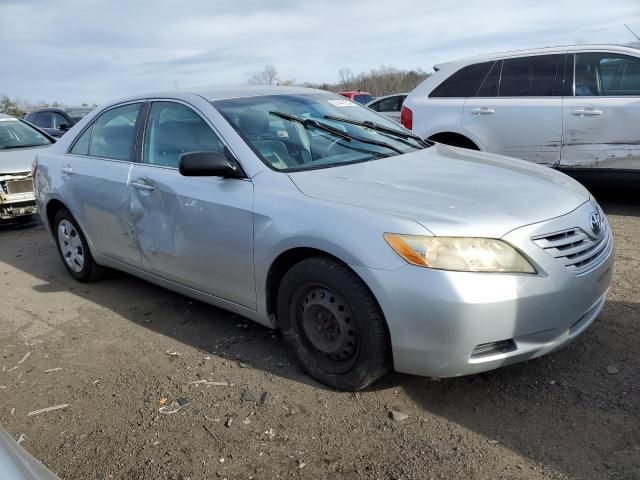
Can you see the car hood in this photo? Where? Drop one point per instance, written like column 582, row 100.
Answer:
column 18, row 160
column 450, row 191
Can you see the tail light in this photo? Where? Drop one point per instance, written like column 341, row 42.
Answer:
column 406, row 117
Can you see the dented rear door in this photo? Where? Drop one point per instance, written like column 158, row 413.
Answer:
column 601, row 121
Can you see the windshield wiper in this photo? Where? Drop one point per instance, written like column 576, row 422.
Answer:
column 309, row 122
column 379, row 128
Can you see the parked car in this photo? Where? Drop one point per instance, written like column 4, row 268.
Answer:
column 366, row 246
column 573, row 107
column 17, row 464
column 358, row 96
column 56, row 121
column 389, row 106
column 19, row 144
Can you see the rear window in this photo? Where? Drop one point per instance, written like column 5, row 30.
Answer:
column 463, row 83
column 362, row 98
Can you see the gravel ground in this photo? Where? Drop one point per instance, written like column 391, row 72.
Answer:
column 120, row 350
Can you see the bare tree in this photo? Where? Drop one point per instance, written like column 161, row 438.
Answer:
column 346, row 78
column 268, row 76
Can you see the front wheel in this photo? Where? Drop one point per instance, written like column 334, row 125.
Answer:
column 73, row 248
column 333, row 324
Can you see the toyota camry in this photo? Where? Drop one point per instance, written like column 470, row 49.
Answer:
column 368, row 247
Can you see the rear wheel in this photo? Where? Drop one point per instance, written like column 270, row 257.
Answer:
column 73, row 248
column 333, row 324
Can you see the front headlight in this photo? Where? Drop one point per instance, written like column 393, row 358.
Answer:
column 459, row 253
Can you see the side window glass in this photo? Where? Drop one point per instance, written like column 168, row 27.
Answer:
column 174, row 129
column 375, row 106
column 114, row 133
column 607, row 74
column 81, row 147
column 44, row 120
column 489, row 87
column 58, row 120
column 464, row 82
column 389, row 104
column 529, row 76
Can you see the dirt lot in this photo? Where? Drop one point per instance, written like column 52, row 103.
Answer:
column 102, row 349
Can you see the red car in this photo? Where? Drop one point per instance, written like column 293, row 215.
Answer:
column 357, row 96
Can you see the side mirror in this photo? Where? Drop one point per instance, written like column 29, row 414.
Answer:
column 64, row 127
column 208, row 164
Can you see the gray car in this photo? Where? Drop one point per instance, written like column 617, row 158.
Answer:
column 368, row 247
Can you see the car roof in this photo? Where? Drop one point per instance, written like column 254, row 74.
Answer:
column 355, row 92
column 539, row 51
column 61, row 109
column 47, row 109
column 221, row 93
column 377, row 99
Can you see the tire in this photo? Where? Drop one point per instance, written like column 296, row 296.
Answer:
column 73, row 248
column 333, row 324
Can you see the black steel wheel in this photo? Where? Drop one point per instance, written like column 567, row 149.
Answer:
column 333, row 324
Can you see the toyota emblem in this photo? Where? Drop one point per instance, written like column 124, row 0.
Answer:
column 596, row 223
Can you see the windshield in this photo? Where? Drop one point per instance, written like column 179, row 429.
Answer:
column 17, row 134
column 302, row 132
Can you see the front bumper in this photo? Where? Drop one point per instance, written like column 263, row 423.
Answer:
column 17, row 197
column 443, row 324
column 17, row 205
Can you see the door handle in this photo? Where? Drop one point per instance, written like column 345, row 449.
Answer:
column 482, row 111
column 141, row 184
column 586, row 112
column 67, row 169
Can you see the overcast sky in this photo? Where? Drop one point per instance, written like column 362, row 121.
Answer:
column 77, row 51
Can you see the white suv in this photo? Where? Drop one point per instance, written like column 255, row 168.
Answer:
column 575, row 106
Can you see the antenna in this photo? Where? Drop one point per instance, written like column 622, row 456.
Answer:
column 632, row 32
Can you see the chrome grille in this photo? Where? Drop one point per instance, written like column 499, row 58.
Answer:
column 19, row 186
column 578, row 251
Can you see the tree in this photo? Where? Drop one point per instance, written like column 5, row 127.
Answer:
column 346, row 79
column 268, row 76
column 10, row 107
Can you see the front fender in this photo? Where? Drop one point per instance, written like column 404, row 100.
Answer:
column 352, row 234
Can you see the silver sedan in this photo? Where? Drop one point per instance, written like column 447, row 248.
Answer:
column 368, row 247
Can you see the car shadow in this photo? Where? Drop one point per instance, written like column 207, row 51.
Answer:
column 188, row 321
column 624, row 202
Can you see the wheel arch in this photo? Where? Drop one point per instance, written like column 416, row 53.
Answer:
column 456, row 139
column 53, row 206
column 287, row 259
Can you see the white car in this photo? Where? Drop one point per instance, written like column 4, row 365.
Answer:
column 389, row 105
column 19, row 143
column 568, row 107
